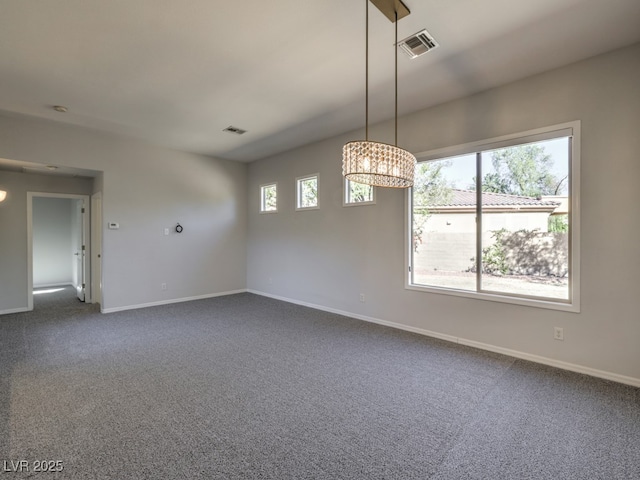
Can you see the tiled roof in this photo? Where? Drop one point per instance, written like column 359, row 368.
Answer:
column 467, row 198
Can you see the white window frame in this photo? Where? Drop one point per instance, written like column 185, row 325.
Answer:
column 569, row 129
column 299, row 180
column 262, row 197
column 346, row 195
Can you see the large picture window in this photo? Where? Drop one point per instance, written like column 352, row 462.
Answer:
column 498, row 219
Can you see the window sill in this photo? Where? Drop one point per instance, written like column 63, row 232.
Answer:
column 573, row 307
column 358, row 204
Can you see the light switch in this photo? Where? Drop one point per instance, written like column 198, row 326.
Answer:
column 166, row 231
column 114, row 225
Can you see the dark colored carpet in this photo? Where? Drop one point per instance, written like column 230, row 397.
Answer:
column 245, row 387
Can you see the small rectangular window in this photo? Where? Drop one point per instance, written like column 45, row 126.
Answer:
column 269, row 198
column 499, row 220
column 358, row 193
column 307, row 192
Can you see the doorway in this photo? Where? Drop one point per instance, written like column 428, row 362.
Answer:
column 59, row 251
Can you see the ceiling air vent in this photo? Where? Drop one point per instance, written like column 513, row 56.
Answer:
column 418, row 44
column 236, row 130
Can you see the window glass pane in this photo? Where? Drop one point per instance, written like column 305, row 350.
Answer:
column 308, row 192
column 358, row 192
column 525, row 229
column 444, row 227
column 517, row 242
column 269, row 198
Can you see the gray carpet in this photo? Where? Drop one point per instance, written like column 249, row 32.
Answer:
column 245, row 387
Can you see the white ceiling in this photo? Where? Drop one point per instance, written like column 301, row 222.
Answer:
column 176, row 72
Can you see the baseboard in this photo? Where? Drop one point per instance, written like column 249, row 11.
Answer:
column 357, row 316
column 14, row 310
column 635, row 382
column 168, row 302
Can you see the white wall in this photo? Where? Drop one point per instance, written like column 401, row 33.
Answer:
column 52, row 241
column 144, row 189
column 328, row 257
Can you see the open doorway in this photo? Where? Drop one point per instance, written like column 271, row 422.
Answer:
column 59, row 250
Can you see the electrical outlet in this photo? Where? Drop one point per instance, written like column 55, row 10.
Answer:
column 362, row 297
column 166, row 231
column 558, row 333
column 270, row 281
column 163, row 286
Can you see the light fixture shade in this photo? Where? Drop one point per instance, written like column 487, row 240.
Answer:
column 3, row 195
column 378, row 164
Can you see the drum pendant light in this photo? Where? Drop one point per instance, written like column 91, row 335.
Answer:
column 375, row 163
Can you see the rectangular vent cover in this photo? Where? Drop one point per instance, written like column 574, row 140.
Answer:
column 236, row 130
column 418, row 44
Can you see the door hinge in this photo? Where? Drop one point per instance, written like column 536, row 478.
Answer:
column 82, row 209
column 84, row 285
column 83, row 248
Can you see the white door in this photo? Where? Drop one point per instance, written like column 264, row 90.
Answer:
column 79, row 247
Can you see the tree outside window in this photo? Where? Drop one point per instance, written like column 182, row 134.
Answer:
column 521, row 227
column 269, row 198
column 358, row 193
column 307, row 192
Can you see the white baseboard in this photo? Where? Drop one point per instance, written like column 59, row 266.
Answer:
column 14, row 310
column 167, row 302
column 553, row 363
column 357, row 316
column 635, row 382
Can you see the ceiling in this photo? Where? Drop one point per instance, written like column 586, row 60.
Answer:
column 290, row 72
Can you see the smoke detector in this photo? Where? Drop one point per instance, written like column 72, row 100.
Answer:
column 418, row 44
column 236, row 130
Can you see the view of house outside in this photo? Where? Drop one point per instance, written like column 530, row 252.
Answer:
column 524, row 236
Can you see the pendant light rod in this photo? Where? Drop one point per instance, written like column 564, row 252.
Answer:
column 394, row 10
column 396, row 81
column 375, row 163
column 366, row 76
